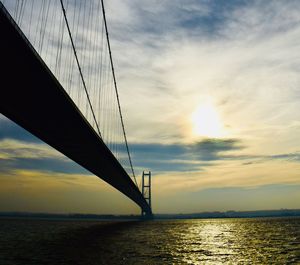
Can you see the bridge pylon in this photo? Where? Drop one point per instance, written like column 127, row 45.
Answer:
column 146, row 192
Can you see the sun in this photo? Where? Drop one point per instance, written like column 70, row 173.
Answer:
column 206, row 121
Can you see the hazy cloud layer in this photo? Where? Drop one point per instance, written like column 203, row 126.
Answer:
column 237, row 198
column 20, row 150
column 240, row 53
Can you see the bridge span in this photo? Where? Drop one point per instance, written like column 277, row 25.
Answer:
column 31, row 96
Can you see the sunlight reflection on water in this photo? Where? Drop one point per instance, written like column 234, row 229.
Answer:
column 207, row 240
column 215, row 241
column 256, row 241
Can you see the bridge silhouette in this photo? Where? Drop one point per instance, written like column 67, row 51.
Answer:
column 67, row 99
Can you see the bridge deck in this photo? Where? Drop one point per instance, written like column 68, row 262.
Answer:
column 32, row 97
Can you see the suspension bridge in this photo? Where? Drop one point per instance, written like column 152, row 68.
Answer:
column 58, row 82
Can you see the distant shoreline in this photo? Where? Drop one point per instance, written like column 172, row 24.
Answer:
column 201, row 215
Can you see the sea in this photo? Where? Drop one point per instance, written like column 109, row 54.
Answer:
column 201, row 241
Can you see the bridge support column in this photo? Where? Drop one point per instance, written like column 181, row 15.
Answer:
column 146, row 192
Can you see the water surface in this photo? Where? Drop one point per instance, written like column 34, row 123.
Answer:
column 210, row 241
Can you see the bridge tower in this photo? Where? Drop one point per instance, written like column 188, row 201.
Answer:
column 146, row 190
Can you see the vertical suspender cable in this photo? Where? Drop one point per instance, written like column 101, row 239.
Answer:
column 79, row 68
column 116, row 89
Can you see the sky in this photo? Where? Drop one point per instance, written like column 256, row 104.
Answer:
column 210, row 94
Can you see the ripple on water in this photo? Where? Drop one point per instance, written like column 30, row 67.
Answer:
column 214, row 241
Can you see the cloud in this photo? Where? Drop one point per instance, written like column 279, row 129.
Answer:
column 20, row 149
column 232, row 198
column 42, row 164
column 255, row 159
column 229, row 174
column 213, row 149
column 182, row 157
column 287, row 157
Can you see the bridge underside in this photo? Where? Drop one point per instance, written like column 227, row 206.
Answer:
column 33, row 98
